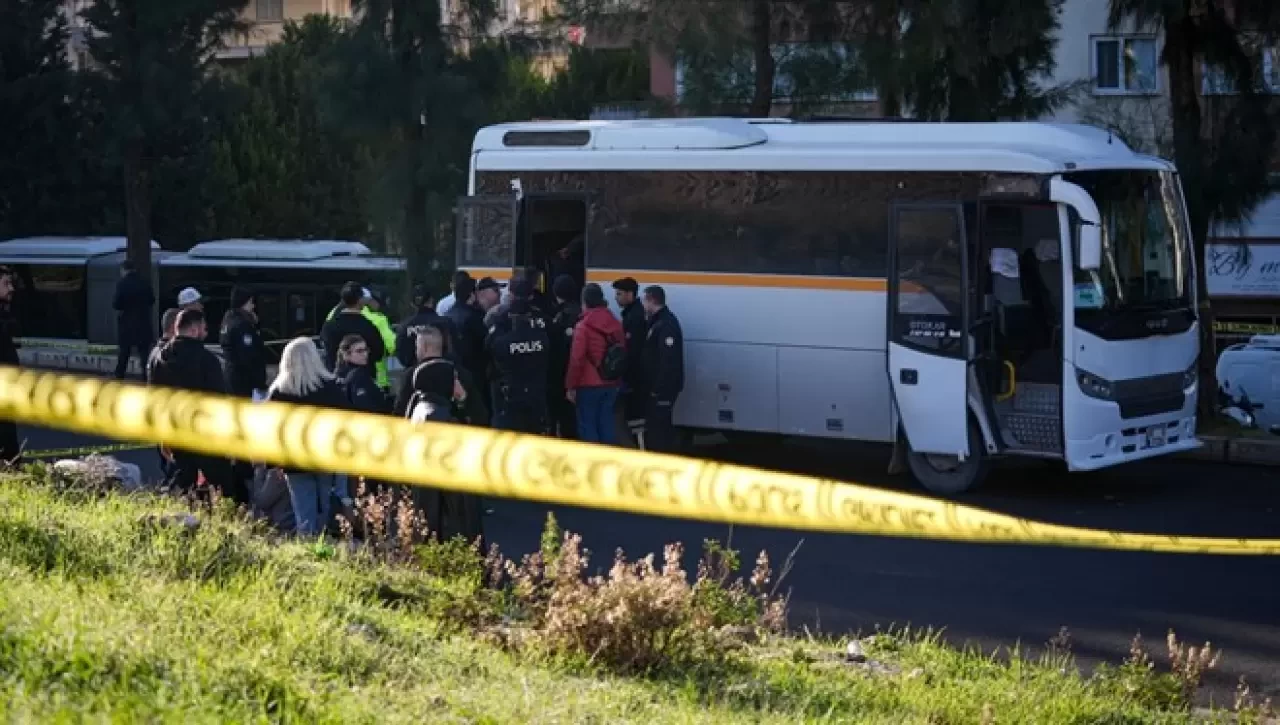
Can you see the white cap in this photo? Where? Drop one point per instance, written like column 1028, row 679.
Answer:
column 368, row 295
column 189, row 296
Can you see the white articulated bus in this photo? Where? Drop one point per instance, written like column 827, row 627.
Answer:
column 963, row 291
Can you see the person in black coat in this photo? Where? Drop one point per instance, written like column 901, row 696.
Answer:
column 184, row 363
column 133, row 303
column 664, row 370
column 434, row 389
column 244, row 356
column 564, row 418
column 425, row 305
column 10, row 448
column 634, row 397
column 362, row 391
column 350, row 319
column 168, row 331
column 470, row 333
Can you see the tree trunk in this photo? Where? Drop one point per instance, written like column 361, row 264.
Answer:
column 137, row 207
column 1180, row 54
column 889, row 88
column 761, row 35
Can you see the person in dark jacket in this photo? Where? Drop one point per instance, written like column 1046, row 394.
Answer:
column 351, row 320
column 428, row 345
column 357, row 380
column 468, row 325
column 633, row 394
column 472, row 411
column 564, row 419
column 244, row 356
column 303, row 380
column 168, row 331
column 435, row 390
column 425, row 305
column 664, row 370
column 593, row 395
column 184, row 363
column 10, row 447
column 133, row 303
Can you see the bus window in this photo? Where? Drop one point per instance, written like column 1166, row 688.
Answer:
column 51, row 301
column 300, row 312
column 930, row 302
column 268, row 306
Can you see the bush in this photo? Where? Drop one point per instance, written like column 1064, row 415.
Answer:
column 641, row 617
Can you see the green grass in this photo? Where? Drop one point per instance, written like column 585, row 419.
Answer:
column 105, row 618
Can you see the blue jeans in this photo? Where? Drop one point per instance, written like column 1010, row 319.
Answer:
column 309, row 493
column 595, row 415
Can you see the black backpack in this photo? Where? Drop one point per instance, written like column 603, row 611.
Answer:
column 614, row 361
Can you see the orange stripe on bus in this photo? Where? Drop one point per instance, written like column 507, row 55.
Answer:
column 718, row 279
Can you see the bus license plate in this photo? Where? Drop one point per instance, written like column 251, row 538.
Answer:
column 1155, row 437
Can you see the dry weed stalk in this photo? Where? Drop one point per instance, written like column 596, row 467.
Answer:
column 1188, row 664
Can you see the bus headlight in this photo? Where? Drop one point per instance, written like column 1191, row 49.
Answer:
column 1094, row 386
column 1191, row 376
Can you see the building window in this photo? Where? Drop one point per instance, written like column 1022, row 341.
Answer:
column 1215, row 82
column 1125, row 65
column 270, row 10
column 803, row 72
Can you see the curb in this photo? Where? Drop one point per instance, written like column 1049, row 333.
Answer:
column 1243, row 451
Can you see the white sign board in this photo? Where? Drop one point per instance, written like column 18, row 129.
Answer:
column 1239, row 270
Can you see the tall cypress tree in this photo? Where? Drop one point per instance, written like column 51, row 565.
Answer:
column 401, row 87
column 279, row 166
column 150, row 59
column 974, row 60
column 38, row 136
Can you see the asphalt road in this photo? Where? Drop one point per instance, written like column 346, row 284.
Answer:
column 987, row 595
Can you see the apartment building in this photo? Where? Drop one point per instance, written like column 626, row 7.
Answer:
column 266, row 20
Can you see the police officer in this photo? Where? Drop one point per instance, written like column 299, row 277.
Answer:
column 244, row 356
column 424, row 314
column 664, row 370
column 520, row 349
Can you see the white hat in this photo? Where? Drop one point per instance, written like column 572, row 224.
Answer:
column 189, row 296
column 368, row 295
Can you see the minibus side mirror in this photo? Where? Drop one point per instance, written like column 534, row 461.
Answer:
column 1089, row 249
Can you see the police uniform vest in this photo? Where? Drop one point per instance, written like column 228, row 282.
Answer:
column 521, row 351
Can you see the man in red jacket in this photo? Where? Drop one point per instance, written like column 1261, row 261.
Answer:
column 585, row 384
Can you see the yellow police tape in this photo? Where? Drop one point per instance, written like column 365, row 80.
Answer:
column 505, row 464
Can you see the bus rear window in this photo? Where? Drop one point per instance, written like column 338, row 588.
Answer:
column 50, row 301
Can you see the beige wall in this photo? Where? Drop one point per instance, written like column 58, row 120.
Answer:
column 264, row 32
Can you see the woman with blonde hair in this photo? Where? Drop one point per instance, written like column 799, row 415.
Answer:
column 303, row 379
